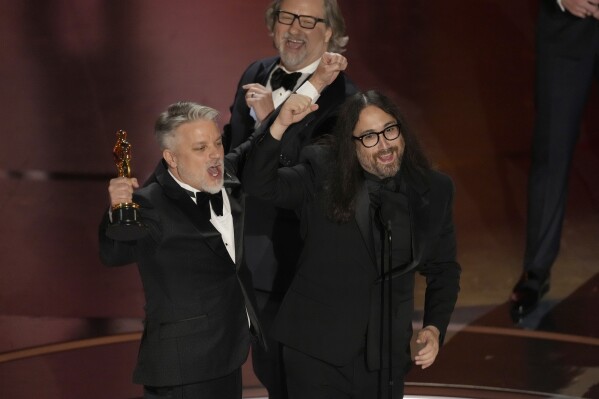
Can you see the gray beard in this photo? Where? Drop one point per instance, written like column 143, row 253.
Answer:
column 381, row 171
column 213, row 189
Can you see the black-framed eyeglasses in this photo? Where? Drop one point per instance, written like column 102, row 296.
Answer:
column 305, row 21
column 371, row 139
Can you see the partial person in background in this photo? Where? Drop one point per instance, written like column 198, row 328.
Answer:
column 200, row 312
column 567, row 49
column 346, row 321
column 307, row 34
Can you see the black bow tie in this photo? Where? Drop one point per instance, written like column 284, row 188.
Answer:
column 375, row 184
column 389, row 184
column 204, row 200
column 280, row 78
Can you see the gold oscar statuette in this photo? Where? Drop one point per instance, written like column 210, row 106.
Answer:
column 126, row 219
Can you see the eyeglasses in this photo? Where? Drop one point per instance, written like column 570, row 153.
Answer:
column 305, row 21
column 368, row 140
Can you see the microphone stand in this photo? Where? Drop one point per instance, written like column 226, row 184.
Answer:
column 388, row 235
column 386, row 259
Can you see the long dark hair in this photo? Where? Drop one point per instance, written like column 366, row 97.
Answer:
column 346, row 175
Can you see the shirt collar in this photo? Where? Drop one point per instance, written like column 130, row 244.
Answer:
column 305, row 70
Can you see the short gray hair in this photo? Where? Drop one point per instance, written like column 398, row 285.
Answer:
column 176, row 115
column 332, row 15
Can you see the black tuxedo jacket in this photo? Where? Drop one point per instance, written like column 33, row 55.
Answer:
column 196, row 325
column 272, row 234
column 332, row 309
column 241, row 124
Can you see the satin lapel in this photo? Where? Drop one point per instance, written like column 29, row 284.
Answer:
column 264, row 72
column 363, row 220
column 237, row 205
column 418, row 208
column 206, row 229
column 183, row 201
column 419, row 223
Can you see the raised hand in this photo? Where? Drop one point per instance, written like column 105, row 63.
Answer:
column 328, row 69
column 293, row 110
column 121, row 190
column 582, row 8
column 259, row 98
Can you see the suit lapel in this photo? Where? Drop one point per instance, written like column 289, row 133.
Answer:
column 184, row 202
column 206, row 229
column 363, row 221
column 418, row 207
column 418, row 203
column 237, row 203
column 266, row 69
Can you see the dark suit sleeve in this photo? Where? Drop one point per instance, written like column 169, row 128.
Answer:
column 286, row 187
column 236, row 158
column 442, row 272
column 119, row 253
column 114, row 253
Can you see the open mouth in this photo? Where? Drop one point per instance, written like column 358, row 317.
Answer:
column 294, row 44
column 386, row 157
column 215, row 171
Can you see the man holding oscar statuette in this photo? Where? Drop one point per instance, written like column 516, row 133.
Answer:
column 200, row 313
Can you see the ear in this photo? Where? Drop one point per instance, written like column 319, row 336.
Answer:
column 170, row 158
column 328, row 34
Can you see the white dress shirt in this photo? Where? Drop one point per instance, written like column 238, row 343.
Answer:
column 223, row 224
column 302, row 86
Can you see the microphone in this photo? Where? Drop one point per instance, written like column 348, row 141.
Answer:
column 382, row 217
column 387, row 212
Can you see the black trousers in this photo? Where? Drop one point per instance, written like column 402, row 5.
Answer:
column 268, row 364
column 227, row 387
column 562, row 87
column 311, row 378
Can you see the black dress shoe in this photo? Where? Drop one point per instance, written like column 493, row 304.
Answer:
column 526, row 294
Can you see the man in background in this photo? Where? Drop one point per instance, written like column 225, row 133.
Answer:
column 567, row 62
column 306, row 34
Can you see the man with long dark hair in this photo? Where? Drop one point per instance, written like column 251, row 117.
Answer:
column 346, row 322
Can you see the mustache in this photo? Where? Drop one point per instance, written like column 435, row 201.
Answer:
column 386, row 151
column 288, row 36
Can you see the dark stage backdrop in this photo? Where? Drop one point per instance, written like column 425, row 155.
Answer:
column 74, row 72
